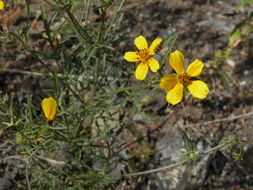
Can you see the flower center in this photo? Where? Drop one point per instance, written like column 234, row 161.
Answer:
column 144, row 55
column 185, row 79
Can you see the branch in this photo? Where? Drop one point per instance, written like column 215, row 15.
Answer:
column 221, row 120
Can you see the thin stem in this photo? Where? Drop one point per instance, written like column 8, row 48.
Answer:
column 221, row 120
column 82, row 32
column 157, row 169
column 172, row 40
column 26, row 176
column 67, row 123
column 87, row 12
column 30, row 50
column 51, row 161
column 21, row 72
column 114, row 18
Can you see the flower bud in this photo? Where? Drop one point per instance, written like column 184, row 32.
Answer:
column 39, row 139
column 49, row 107
column 1, row 5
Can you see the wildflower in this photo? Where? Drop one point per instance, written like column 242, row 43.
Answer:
column 49, row 107
column 174, row 85
column 144, row 56
column 39, row 139
column 237, row 157
column 19, row 139
column 1, row 5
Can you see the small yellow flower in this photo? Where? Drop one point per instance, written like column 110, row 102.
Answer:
column 1, row 5
column 174, row 85
column 19, row 139
column 39, row 139
column 49, row 107
column 144, row 56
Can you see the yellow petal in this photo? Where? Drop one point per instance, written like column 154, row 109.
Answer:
column 168, row 82
column 198, row 89
column 141, row 71
column 156, row 46
column 49, row 107
column 39, row 139
column 195, row 68
column 177, row 61
column 141, row 42
column 131, row 56
column 153, row 64
column 1, row 5
column 175, row 95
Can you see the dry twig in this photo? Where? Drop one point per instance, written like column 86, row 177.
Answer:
column 51, row 161
column 220, row 120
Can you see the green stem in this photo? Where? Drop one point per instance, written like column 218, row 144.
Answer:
column 80, row 30
column 33, row 52
column 172, row 40
column 114, row 18
column 67, row 123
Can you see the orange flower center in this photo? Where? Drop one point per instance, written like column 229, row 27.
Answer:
column 144, row 55
column 185, row 79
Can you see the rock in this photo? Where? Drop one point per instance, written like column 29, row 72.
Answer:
column 6, row 181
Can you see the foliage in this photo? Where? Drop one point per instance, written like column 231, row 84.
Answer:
column 92, row 86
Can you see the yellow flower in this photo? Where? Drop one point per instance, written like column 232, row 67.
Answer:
column 174, row 85
column 1, row 5
column 144, row 56
column 19, row 139
column 39, row 139
column 49, row 107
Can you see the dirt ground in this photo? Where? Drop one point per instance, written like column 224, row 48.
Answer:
column 204, row 27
